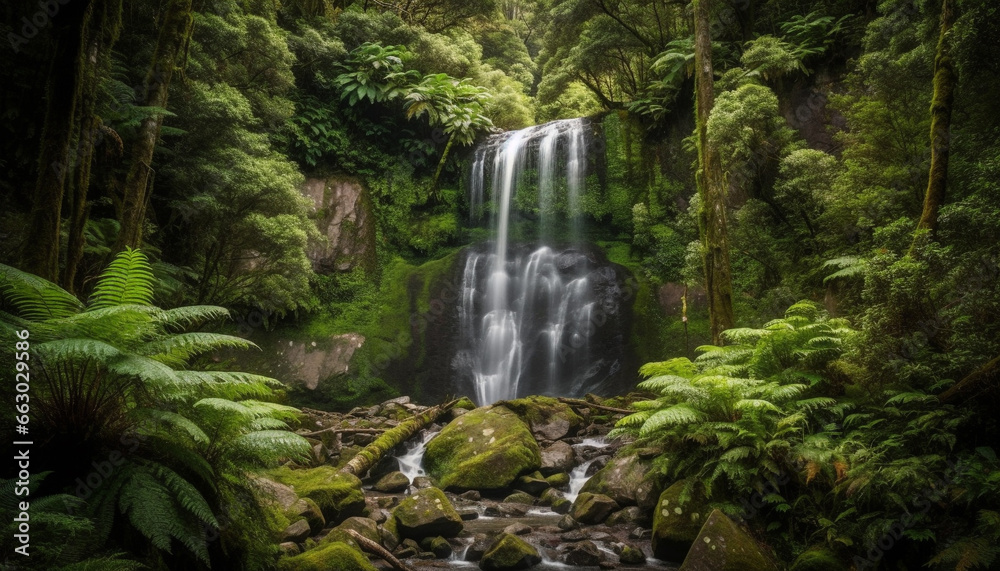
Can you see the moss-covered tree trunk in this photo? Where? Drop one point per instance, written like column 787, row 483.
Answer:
column 371, row 454
column 56, row 154
column 945, row 78
column 171, row 44
column 711, row 185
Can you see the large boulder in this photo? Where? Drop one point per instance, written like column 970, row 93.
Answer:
column 364, row 526
column 628, row 479
column 592, row 508
column 548, row 418
column 427, row 513
column 557, row 458
column 486, row 449
column 326, row 556
column 337, row 494
column 509, row 553
column 391, row 483
column 343, row 213
column 306, row 508
column 675, row 525
column 583, row 554
column 724, row 546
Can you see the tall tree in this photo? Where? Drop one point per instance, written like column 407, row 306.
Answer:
column 945, row 78
column 171, row 45
column 711, row 184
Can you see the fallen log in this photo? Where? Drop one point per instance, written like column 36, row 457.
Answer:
column 345, row 430
column 583, row 403
column 977, row 382
column 371, row 454
column 371, row 546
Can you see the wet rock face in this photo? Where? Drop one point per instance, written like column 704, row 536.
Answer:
column 721, row 545
column 592, row 508
column 675, row 525
column 628, row 480
column 427, row 513
column 343, row 214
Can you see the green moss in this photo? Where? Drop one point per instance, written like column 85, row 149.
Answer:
column 675, row 524
column 465, row 403
column 427, row 513
column 362, row 525
column 510, row 552
column 327, row 556
column 337, row 494
column 485, row 449
column 724, row 546
column 540, row 410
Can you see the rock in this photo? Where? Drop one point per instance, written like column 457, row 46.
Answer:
column 364, row 526
column 567, row 522
column 343, row 214
column 468, row 514
column 421, row 482
column 558, row 480
column 640, row 533
column 631, row 555
column 595, row 466
column 583, row 554
column 471, row 495
column 289, row 548
column 480, row 544
column 628, row 517
column 391, row 483
column 390, row 537
column 465, row 403
column 555, row 500
column 308, row 365
column 283, row 495
column 628, row 480
column 512, row 510
column 454, row 413
column 592, row 508
column 558, row 457
column 486, row 449
column 297, row 532
column 439, row 546
column 533, row 484
column 517, row 529
column 337, row 494
column 307, row 509
column 425, row 514
column 509, row 553
column 722, row 545
column 548, row 418
column 520, row 498
column 386, row 502
column 406, row 552
column 326, row 556
column 378, row 515
column 818, row 558
column 574, row 535
column 674, row 525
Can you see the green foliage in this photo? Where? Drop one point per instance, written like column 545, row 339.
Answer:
column 118, row 371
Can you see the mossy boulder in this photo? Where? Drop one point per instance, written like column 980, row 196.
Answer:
column 555, row 500
column 465, row 403
column 486, row 449
column 675, row 526
column 548, row 418
column 533, row 483
column 427, row 513
column 724, row 546
column 627, row 479
column 439, row 546
column 391, row 483
column 363, row 526
column 509, row 553
column 558, row 457
column 327, row 556
column 337, row 494
column 306, row 508
column 592, row 508
column 520, row 498
column 818, row 558
column 558, row 480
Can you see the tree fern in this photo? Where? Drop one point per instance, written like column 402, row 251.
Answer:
column 128, row 280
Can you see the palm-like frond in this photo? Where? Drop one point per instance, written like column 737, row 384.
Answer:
column 128, row 280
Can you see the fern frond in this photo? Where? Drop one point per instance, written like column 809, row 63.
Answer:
column 678, row 414
column 178, row 349
column 128, row 280
column 34, row 298
column 192, row 315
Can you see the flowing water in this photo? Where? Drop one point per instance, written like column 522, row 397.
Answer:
column 529, row 313
column 411, row 462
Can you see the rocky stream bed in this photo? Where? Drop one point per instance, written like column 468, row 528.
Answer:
column 531, row 483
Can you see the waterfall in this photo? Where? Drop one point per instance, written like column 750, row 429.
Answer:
column 529, row 310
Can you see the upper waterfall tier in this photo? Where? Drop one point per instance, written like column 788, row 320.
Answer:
column 530, row 319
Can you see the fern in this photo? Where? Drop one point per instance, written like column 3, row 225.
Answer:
column 128, row 280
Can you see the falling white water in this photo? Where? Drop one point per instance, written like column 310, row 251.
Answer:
column 527, row 314
column 411, row 462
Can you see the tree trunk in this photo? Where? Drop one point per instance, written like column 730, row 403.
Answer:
column 56, row 154
column 170, row 47
column 711, row 185
column 440, row 167
column 945, row 78
column 982, row 379
column 371, row 454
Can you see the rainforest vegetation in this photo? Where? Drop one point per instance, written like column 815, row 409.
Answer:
column 804, row 195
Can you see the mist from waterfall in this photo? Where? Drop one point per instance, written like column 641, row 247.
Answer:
column 527, row 311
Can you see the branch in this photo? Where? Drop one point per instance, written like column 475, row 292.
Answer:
column 345, row 431
column 377, row 549
column 963, row 389
column 583, row 403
